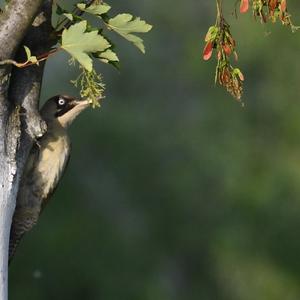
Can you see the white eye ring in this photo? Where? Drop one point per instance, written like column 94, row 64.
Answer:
column 61, row 101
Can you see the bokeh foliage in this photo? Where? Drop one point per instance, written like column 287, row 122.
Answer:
column 175, row 191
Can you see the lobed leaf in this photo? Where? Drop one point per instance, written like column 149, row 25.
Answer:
column 69, row 16
column 94, row 9
column 108, row 56
column 126, row 24
column 79, row 43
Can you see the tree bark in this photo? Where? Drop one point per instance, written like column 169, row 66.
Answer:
column 20, row 123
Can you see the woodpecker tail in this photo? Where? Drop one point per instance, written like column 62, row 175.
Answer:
column 23, row 221
column 14, row 241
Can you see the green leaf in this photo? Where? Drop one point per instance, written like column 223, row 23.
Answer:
column 28, row 52
column 69, row 16
column 108, row 56
column 34, row 60
column 60, row 10
column 29, row 57
column 80, row 43
column 126, row 24
column 94, row 9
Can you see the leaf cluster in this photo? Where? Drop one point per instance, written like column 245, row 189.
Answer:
column 87, row 44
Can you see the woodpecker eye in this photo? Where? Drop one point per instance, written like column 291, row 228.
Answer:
column 61, row 102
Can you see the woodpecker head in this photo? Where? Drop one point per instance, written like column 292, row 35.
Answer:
column 63, row 109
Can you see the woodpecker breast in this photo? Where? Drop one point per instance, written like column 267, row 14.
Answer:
column 54, row 154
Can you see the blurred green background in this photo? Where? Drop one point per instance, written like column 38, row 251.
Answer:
column 174, row 190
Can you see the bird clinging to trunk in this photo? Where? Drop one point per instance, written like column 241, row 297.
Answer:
column 45, row 165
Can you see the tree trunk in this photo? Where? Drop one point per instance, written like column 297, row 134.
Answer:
column 20, row 123
column 10, row 135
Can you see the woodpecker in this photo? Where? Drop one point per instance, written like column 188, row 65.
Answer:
column 45, row 165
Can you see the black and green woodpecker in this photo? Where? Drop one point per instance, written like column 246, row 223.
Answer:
column 45, row 165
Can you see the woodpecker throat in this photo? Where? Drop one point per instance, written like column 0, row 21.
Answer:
column 45, row 165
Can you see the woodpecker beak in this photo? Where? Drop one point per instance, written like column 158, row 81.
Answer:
column 74, row 108
column 82, row 103
column 79, row 105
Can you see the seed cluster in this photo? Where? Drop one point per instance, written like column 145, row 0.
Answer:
column 219, row 38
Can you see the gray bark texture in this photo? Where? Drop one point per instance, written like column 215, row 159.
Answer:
column 23, row 22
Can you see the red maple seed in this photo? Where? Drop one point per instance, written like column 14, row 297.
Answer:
column 225, row 77
column 241, row 76
column 207, row 36
column 236, row 57
column 231, row 41
column 283, row 6
column 272, row 5
column 227, row 49
column 207, row 52
column 244, row 6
